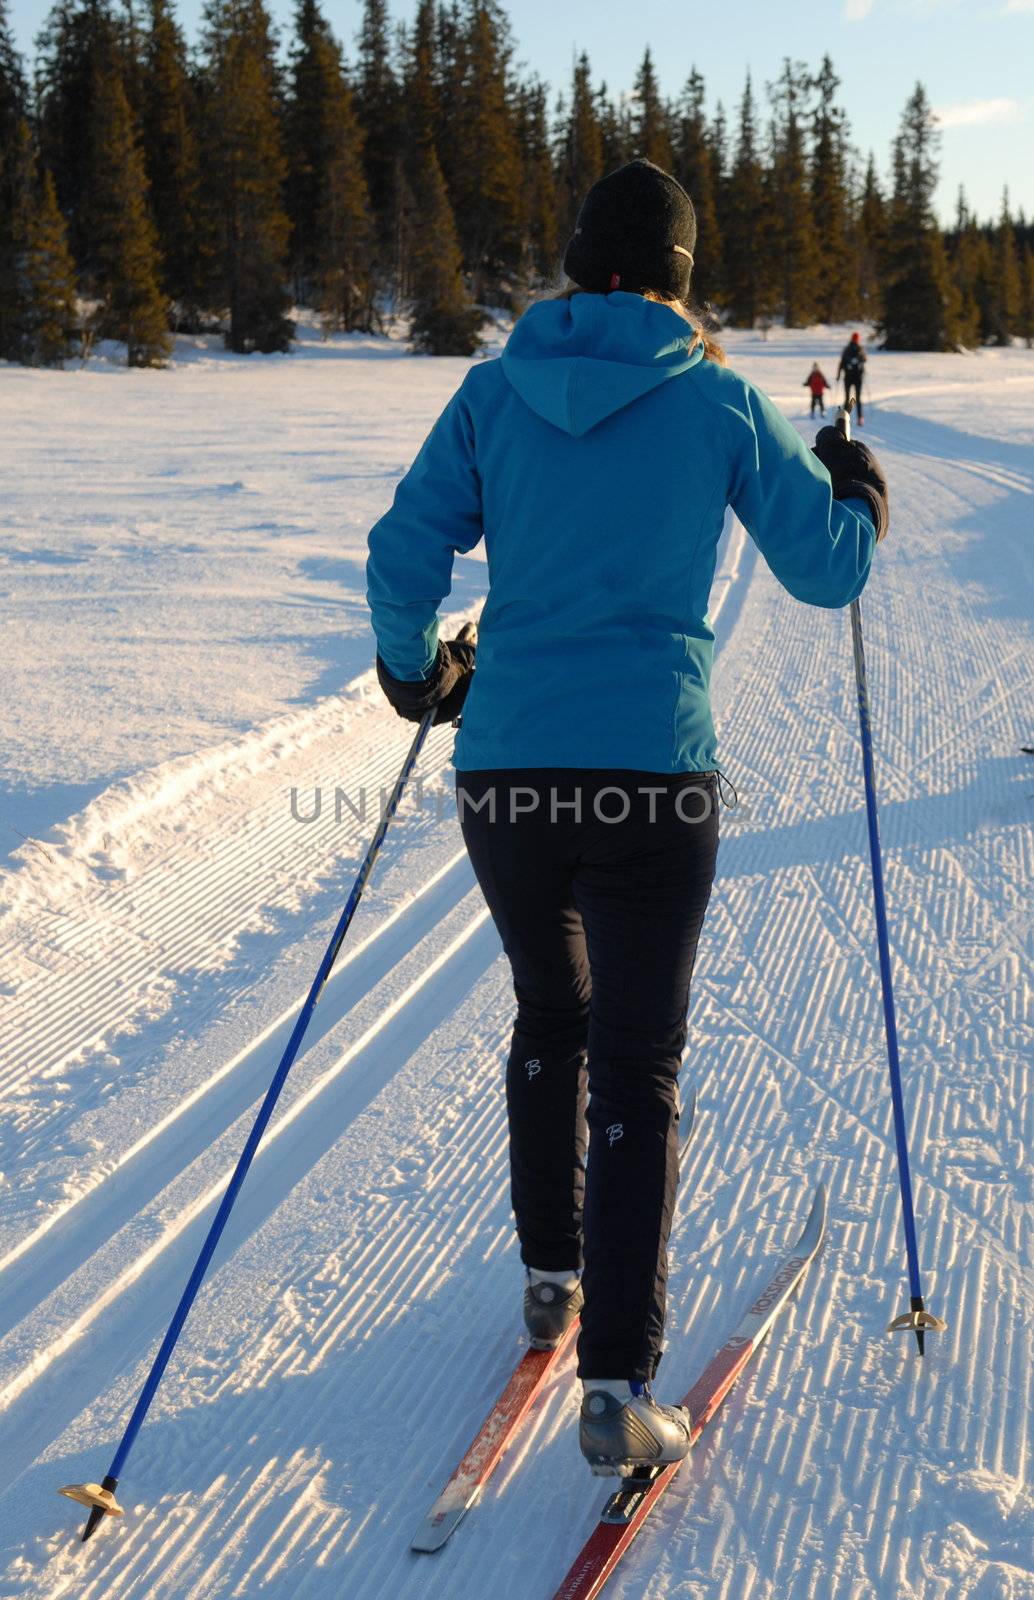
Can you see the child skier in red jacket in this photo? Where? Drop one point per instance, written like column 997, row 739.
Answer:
column 817, row 382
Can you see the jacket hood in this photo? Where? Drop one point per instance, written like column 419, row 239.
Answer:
column 577, row 361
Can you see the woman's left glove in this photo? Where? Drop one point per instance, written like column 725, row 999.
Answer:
column 446, row 688
column 856, row 474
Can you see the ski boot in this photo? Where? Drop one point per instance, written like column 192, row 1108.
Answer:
column 551, row 1303
column 618, row 1435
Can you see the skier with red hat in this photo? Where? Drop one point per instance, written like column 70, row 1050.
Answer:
column 852, row 365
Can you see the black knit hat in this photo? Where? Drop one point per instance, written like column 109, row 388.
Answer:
column 636, row 230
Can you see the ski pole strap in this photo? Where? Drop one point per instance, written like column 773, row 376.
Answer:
column 724, row 783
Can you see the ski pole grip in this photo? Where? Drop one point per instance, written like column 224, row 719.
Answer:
column 842, row 422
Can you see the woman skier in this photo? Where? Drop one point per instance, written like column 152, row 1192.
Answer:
column 596, row 458
column 852, row 365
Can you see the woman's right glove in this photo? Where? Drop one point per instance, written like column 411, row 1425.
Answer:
column 445, row 689
column 856, row 474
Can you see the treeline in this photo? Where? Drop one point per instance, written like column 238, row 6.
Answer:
column 146, row 187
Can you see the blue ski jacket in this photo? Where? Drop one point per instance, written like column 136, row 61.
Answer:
column 596, row 458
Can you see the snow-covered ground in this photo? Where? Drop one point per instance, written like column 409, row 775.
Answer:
column 185, row 643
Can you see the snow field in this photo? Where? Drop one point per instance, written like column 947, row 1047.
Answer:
column 153, row 951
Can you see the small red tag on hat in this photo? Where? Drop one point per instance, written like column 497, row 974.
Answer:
column 615, row 279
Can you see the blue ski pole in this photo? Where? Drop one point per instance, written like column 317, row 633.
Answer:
column 917, row 1318
column 100, row 1497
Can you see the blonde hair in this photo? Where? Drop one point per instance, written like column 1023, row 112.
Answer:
column 713, row 351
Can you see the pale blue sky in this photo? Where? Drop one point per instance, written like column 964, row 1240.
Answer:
column 976, row 58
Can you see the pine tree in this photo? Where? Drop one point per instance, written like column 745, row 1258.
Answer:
column 90, row 144
column 746, row 272
column 332, row 230
column 13, row 94
column 245, row 171
column 616, row 134
column 485, row 175
column 450, row 58
column 421, row 92
column 540, row 234
column 971, row 267
column 791, row 231
column 405, row 213
column 51, row 276
column 131, row 58
column 17, row 167
column 431, row 70
column 1026, row 320
column 444, row 322
column 38, row 318
column 344, row 226
column 13, row 109
column 984, row 286
column 1005, row 306
column 651, row 124
column 870, row 235
column 132, row 308
column 379, row 109
column 836, row 282
column 39, row 324
column 50, row 270
column 78, row 47
column 921, row 302
column 168, row 126
column 580, row 155
column 694, row 166
column 718, row 139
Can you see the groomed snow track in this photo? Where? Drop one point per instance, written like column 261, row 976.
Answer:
column 153, row 958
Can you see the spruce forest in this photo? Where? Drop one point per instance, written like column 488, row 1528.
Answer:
column 148, row 186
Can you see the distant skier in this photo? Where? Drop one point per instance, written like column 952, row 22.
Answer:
column 818, row 383
column 596, row 457
column 852, row 365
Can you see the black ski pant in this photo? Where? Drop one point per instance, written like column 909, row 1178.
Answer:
column 818, row 403
column 597, row 882
column 854, row 386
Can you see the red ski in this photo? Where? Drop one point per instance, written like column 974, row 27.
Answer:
column 463, row 1488
column 526, row 1383
column 627, row 1509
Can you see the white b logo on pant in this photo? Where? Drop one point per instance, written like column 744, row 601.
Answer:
column 532, row 1067
column 615, row 1132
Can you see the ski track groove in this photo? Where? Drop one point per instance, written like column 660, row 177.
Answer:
column 184, row 941
column 193, row 1208
column 125, row 975
column 792, row 1061
column 269, row 1044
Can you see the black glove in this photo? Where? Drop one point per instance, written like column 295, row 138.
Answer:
column 856, row 474
column 446, row 688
